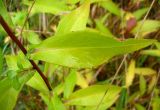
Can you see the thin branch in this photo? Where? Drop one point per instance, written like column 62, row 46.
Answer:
column 114, row 77
column 27, row 17
column 14, row 38
column 145, row 17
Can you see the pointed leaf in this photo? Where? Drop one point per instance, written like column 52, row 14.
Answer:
column 130, row 73
column 37, row 83
column 92, row 96
column 142, row 84
column 69, row 84
column 88, row 49
column 111, row 7
column 5, row 15
column 147, row 27
column 153, row 52
column 47, row 6
column 145, row 71
column 75, row 21
column 140, row 12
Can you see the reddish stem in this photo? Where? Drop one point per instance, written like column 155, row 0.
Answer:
column 14, row 38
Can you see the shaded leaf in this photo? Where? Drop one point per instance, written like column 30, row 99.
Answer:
column 158, row 45
column 138, row 14
column 9, row 95
column 1, row 61
column 88, row 49
column 139, row 107
column 152, row 83
column 142, row 84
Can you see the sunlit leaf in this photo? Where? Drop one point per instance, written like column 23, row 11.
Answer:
column 84, row 49
column 146, row 27
column 69, row 84
column 72, row 1
column 153, row 52
column 81, row 81
column 47, row 6
column 91, row 96
column 111, row 7
column 76, row 20
column 56, row 104
column 5, row 15
column 145, row 71
column 37, row 83
column 130, row 73
column 53, row 102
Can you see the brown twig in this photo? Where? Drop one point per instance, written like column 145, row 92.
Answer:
column 14, row 38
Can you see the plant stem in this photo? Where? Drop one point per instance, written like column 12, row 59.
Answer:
column 14, row 38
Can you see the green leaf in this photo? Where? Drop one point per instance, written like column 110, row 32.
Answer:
column 145, row 71
column 72, row 1
column 142, row 85
column 32, row 37
column 88, row 49
column 122, row 100
column 111, row 7
column 15, row 83
column 53, row 102
column 18, row 18
column 153, row 52
column 5, row 15
column 130, row 73
column 9, row 95
column 139, row 107
column 92, row 96
column 69, row 84
column 75, row 21
column 158, row 45
column 1, row 61
column 47, row 6
column 37, row 83
column 146, row 27
column 139, row 13
column 56, row 104
column 103, row 29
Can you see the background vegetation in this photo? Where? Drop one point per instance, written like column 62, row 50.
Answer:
column 96, row 55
